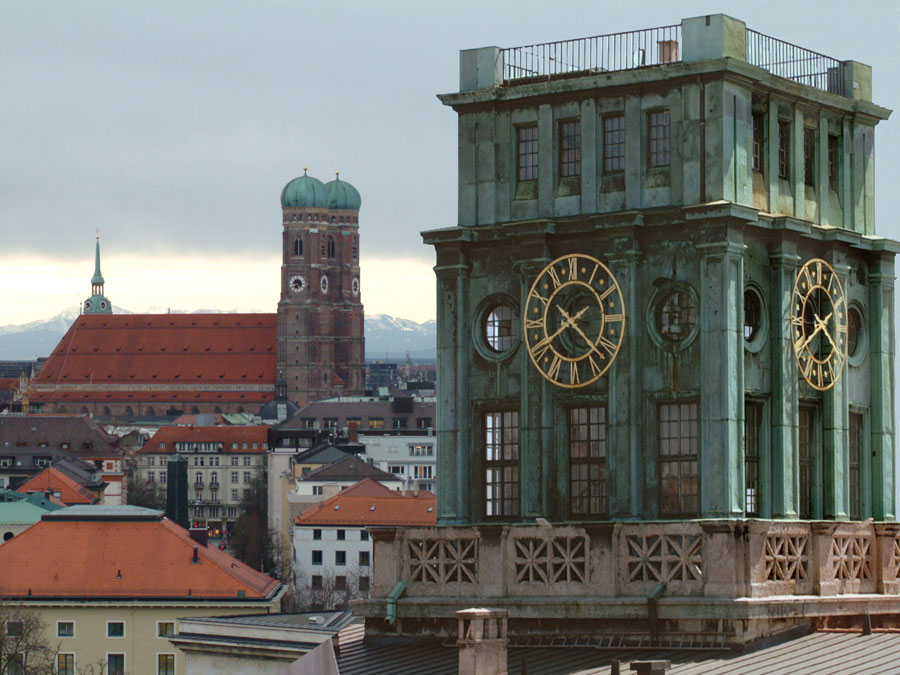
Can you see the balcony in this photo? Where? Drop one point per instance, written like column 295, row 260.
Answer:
column 605, row 572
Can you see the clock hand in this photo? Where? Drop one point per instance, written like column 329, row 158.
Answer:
column 828, row 335
column 549, row 338
column 589, row 341
column 798, row 346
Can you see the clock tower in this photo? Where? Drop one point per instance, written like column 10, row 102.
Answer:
column 320, row 314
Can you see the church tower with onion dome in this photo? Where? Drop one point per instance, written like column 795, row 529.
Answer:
column 97, row 303
column 320, row 341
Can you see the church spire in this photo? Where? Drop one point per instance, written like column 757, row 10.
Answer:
column 97, row 303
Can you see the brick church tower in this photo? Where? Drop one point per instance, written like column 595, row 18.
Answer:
column 320, row 314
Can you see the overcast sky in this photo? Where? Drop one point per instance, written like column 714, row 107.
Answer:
column 173, row 126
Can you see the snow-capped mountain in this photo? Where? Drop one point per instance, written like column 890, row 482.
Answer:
column 386, row 336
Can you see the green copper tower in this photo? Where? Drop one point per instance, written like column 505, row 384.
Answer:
column 97, row 303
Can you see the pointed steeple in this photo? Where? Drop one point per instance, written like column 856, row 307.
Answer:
column 97, row 303
column 97, row 278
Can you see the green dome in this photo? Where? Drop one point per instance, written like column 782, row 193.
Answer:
column 342, row 195
column 304, row 191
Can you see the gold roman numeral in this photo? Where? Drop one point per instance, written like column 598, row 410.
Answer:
column 573, row 269
column 553, row 370
column 573, row 373
column 554, row 276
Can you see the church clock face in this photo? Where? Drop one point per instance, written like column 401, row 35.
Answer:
column 323, row 283
column 298, row 283
column 574, row 320
column 354, row 286
column 819, row 324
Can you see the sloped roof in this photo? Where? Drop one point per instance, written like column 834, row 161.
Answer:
column 21, row 512
column 354, row 508
column 54, row 480
column 96, row 552
column 78, row 434
column 350, row 468
column 164, row 353
column 321, row 454
column 227, row 435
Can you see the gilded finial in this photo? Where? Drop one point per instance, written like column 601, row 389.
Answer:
column 304, row 170
column 98, row 234
column 337, row 175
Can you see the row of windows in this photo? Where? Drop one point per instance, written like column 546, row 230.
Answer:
column 341, row 535
column 317, row 217
column 213, row 512
column 206, row 461
column 810, row 136
column 340, row 558
column 678, row 460
column 115, row 664
column 328, row 248
column 373, row 422
column 340, row 583
column 658, row 145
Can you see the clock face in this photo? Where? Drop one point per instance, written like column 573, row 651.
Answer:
column 354, row 286
column 323, row 283
column 819, row 324
column 298, row 283
column 574, row 320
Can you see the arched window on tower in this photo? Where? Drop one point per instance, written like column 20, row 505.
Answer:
column 298, row 246
column 330, row 247
column 355, row 248
column 323, row 246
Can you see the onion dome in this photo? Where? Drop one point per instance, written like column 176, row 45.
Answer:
column 304, row 192
column 342, row 195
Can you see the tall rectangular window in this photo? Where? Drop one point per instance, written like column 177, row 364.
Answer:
column 759, row 127
column 809, row 156
column 115, row 664
column 587, row 461
column 833, row 161
column 65, row 664
column 569, row 148
column 528, row 153
column 613, row 143
column 784, row 151
column 501, row 448
column 804, row 458
column 856, row 437
column 658, row 138
column 165, row 664
column 752, row 426
column 679, row 477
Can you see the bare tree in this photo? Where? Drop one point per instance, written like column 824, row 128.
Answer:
column 24, row 649
column 328, row 591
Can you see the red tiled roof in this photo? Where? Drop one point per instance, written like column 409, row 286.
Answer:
column 352, row 507
column 227, row 435
column 54, row 480
column 163, row 350
column 109, row 558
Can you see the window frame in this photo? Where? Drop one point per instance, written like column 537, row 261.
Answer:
column 115, row 637
column 569, row 130
column 160, row 624
column 784, row 149
column 109, row 670
column 659, row 138
column 509, row 484
column 170, row 669
column 753, row 461
column 679, row 459
column 316, row 557
column 758, row 141
column 614, row 139
column 806, row 465
column 809, row 156
column 581, row 432
column 856, row 505
column 70, row 668
column 340, row 558
column 527, row 148
column 834, row 161
column 59, row 624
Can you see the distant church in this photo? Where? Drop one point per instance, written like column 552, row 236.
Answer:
column 313, row 347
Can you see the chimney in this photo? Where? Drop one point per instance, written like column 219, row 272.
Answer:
column 482, row 641
column 352, row 435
